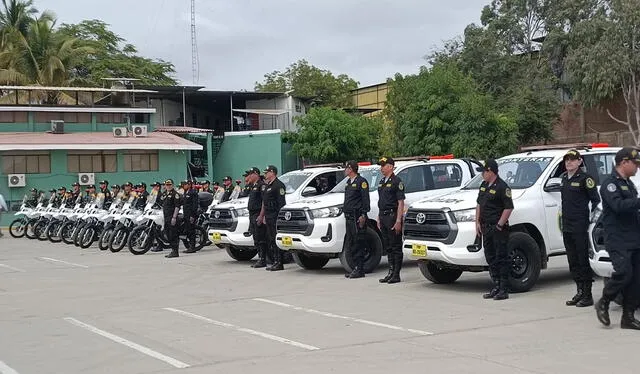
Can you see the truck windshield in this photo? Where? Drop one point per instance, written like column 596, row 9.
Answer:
column 293, row 181
column 372, row 175
column 519, row 172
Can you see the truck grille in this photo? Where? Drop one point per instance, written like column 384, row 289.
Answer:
column 429, row 225
column 224, row 220
column 294, row 221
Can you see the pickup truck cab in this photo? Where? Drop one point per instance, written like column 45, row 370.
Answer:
column 313, row 229
column 229, row 221
column 440, row 232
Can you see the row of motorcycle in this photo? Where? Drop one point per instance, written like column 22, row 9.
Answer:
column 113, row 226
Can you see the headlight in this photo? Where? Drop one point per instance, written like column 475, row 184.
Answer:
column 468, row 215
column 242, row 212
column 333, row 211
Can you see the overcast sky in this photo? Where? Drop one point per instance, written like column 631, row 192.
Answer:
column 241, row 40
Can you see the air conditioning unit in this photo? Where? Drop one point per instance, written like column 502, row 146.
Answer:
column 57, row 127
column 120, row 132
column 86, row 179
column 139, row 130
column 16, row 180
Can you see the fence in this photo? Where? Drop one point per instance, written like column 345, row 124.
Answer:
column 613, row 138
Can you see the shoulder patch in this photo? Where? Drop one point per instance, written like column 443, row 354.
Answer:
column 482, row 189
column 590, row 182
column 282, row 192
column 507, row 192
column 264, row 187
column 611, row 187
column 364, row 185
column 401, row 186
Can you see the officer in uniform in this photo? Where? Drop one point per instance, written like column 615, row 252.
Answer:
column 246, row 190
column 256, row 188
column 206, row 186
column 578, row 188
column 391, row 210
column 621, row 225
column 32, row 201
column 492, row 221
column 171, row 202
column 273, row 199
column 228, row 189
column 356, row 206
column 104, row 190
column 190, row 214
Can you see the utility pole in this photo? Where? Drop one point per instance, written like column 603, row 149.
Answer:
column 194, row 45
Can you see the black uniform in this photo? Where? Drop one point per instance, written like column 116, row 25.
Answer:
column 390, row 192
column 621, row 225
column 227, row 193
column 259, row 232
column 170, row 201
column 577, row 191
column 108, row 198
column 190, row 215
column 494, row 199
column 273, row 199
column 356, row 205
column 245, row 191
column 141, row 199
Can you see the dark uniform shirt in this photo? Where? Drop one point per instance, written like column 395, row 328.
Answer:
column 191, row 204
column 356, row 197
column 107, row 197
column 274, row 198
column 72, row 199
column 576, row 193
column 620, row 206
column 170, row 201
column 141, row 201
column 493, row 200
column 255, row 196
column 245, row 191
column 390, row 191
column 227, row 193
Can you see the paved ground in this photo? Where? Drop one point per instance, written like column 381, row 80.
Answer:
column 65, row 310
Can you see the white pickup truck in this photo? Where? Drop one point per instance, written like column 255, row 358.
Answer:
column 313, row 229
column 440, row 232
column 229, row 221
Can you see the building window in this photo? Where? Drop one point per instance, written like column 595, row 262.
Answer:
column 31, row 162
column 92, row 162
column 141, row 161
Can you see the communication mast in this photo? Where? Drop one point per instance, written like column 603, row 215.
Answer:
column 194, row 45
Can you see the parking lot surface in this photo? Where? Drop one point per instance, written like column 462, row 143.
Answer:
column 67, row 310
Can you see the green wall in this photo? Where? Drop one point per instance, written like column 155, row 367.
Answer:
column 33, row 126
column 240, row 152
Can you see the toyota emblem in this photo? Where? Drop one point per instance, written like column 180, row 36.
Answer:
column 287, row 216
column 420, row 218
column 216, row 214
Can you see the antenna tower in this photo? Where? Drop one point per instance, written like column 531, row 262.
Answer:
column 194, row 45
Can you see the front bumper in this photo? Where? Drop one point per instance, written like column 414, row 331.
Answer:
column 240, row 237
column 456, row 253
column 327, row 236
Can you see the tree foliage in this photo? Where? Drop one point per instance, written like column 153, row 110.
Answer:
column 333, row 135
column 307, row 81
column 441, row 110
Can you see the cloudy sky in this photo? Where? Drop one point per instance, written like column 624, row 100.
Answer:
column 241, row 40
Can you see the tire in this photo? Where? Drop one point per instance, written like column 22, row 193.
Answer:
column 53, row 231
column 133, row 243
column 308, row 262
column 372, row 256
column 40, row 229
column 103, row 241
column 77, row 232
column 18, row 227
column 241, row 253
column 88, row 236
column 526, row 262
column 115, row 246
column 66, row 233
column 28, row 228
column 437, row 274
column 201, row 238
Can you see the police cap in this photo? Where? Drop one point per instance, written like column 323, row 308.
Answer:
column 104, row 182
column 572, row 154
column 227, row 178
column 128, row 184
column 627, row 153
column 206, row 181
column 353, row 165
column 271, row 168
column 386, row 160
column 75, row 184
column 52, row 190
column 91, row 186
column 156, row 184
column 489, row 165
column 168, row 182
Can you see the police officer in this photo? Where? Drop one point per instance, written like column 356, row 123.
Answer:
column 356, row 206
column 228, row 189
column 391, row 210
column 273, row 199
column 246, row 190
column 494, row 207
column 256, row 188
column 578, row 188
column 190, row 214
column 142, row 194
column 206, row 186
column 104, row 190
column 621, row 225
column 32, row 201
column 171, row 202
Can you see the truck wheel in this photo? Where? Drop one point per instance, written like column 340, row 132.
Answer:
column 372, row 255
column 241, row 253
column 525, row 262
column 308, row 262
column 437, row 274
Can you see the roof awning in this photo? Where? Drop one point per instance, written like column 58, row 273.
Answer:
column 270, row 112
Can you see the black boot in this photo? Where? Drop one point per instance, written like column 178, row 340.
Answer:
column 587, row 297
column 628, row 320
column 174, row 253
column 578, row 296
column 261, row 258
column 356, row 273
column 503, row 290
column 191, row 248
column 491, row 294
column 602, row 311
column 277, row 261
column 391, row 267
column 395, row 276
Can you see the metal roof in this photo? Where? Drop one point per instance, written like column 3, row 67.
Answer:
column 80, row 89
column 182, row 130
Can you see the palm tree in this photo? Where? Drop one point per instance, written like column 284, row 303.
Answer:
column 16, row 16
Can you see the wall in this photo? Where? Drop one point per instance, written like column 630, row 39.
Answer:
column 74, row 122
column 371, row 97
column 168, row 114
column 294, row 107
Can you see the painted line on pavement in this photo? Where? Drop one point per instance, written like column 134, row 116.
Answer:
column 332, row 315
column 11, row 268
column 245, row 330
column 142, row 349
column 62, row 262
column 6, row 369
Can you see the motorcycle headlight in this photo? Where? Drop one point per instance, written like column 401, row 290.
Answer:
column 242, row 212
column 467, row 215
column 332, row 211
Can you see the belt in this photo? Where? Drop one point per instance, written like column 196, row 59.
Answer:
column 386, row 212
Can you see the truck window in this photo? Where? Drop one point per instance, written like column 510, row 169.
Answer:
column 600, row 165
column 413, row 179
column 443, row 176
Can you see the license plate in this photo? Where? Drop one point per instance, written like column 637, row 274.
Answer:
column 287, row 241
column 216, row 237
column 419, row 250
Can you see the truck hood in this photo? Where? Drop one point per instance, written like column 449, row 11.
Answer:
column 317, row 202
column 456, row 200
column 242, row 202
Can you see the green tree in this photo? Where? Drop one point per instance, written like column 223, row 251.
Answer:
column 112, row 57
column 16, row 16
column 333, row 135
column 308, row 81
column 441, row 110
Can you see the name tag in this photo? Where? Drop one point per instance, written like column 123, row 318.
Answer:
column 624, row 188
column 388, row 184
column 493, row 192
column 353, row 185
column 575, row 184
column 482, row 189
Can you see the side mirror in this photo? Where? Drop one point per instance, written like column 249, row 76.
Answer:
column 309, row 191
column 553, row 185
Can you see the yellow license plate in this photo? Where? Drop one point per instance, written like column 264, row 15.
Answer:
column 216, row 237
column 287, row 241
column 419, row 250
